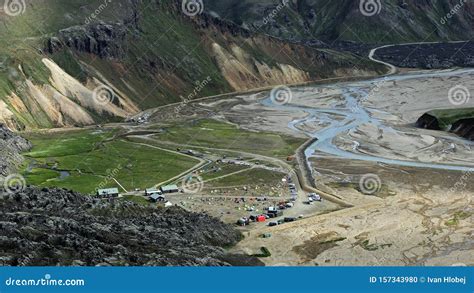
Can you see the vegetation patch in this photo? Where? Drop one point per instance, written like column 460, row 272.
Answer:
column 264, row 252
column 458, row 216
column 447, row 117
column 382, row 192
column 363, row 242
column 220, row 135
column 96, row 160
column 313, row 247
column 251, row 177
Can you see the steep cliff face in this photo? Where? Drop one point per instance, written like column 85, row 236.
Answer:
column 92, row 61
column 103, row 40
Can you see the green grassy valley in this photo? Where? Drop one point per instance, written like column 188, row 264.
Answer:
column 93, row 159
column 85, row 160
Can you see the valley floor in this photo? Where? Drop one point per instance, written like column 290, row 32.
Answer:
column 418, row 213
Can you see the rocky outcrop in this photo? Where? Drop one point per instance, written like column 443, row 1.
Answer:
column 11, row 146
column 104, row 40
column 60, row 227
column 462, row 127
column 428, row 121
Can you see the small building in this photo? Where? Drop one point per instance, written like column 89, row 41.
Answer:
column 169, row 188
column 108, row 192
column 152, row 191
column 155, row 197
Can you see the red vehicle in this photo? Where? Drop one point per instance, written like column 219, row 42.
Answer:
column 261, row 218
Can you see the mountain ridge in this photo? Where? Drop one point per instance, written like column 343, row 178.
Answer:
column 135, row 55
column 375, row 22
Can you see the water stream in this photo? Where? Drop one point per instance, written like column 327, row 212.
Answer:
column 355, row 115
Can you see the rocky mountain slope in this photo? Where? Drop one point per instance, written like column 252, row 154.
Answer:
column 77, row 62
column 49, row 227
column 387, row 21
column 60, row 227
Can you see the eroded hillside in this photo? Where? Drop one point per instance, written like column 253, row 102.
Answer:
column 73, row 64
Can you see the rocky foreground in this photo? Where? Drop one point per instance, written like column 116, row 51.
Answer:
column 61, row 227
column 49, row 227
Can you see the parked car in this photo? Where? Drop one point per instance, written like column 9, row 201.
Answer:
column 271, row 224
column 314, row 197
column 243, row 222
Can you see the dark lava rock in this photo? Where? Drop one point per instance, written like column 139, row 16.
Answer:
column 49, row 227
column 102, row 39
column 429, row 56
column 61, row 227
column 464, row 128
column 11, row 146
column 428, row 121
